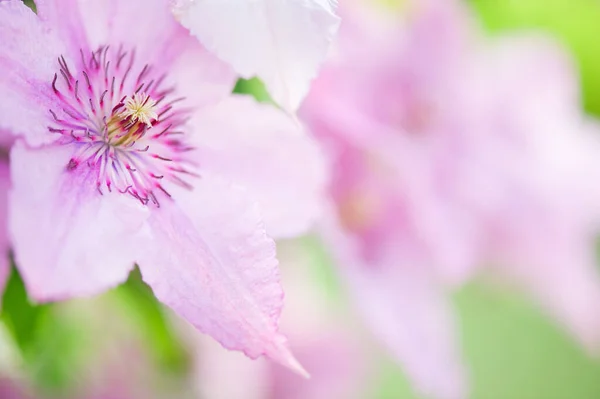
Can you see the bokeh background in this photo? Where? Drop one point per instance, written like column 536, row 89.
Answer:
column 126, row 339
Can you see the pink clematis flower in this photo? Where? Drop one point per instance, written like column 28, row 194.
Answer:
column 451, row 153
column 282, row 42
column 132, row 153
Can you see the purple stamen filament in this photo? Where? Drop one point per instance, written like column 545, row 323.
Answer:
column 121, row 132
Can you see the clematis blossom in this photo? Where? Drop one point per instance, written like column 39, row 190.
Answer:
column 454, row 156
column 131, row 151
column 283, row 42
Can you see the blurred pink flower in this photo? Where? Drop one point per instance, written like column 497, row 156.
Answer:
column 282, row 42
column 11, row 389
column 324, row 339
column 132, row 152
column 451, row 153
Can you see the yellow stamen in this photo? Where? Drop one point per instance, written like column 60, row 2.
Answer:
column 140, row 107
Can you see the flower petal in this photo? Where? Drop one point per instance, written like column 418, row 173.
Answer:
column 282, row 42
column 212, row 80
column 64, row 18
column 68, row 239
column 27, row 65
column 4, row 242
column 406, row 310
column 337, row 367
column 145, row 25
column 322, row 336
column 552, row 90
column 262, row 149
column 540, row 155
column 158, row 40
column 211, row 261
column 564, row 281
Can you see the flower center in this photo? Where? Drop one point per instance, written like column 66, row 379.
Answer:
column 123, row 123
column 140, row 108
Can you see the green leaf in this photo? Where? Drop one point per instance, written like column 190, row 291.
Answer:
column 19, row 314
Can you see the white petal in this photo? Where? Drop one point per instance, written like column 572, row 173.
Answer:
column 281, row 41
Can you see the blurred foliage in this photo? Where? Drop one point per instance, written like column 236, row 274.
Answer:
column 515, row 351
column 137, row 299
column 573, row 22
column 507, row 342
column 47, row 345
column 253, row 87
column 512, row 351
column 19, row 314
column 59, row 348
column 30, row 4
column 325, row 274
column 54, row 343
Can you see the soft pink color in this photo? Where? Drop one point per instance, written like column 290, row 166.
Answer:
column 5, row 142
column 325, row 339
column 452, row 156
column 128, row 154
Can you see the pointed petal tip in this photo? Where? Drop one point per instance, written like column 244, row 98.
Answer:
column 282, row 355
column 294, row 365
